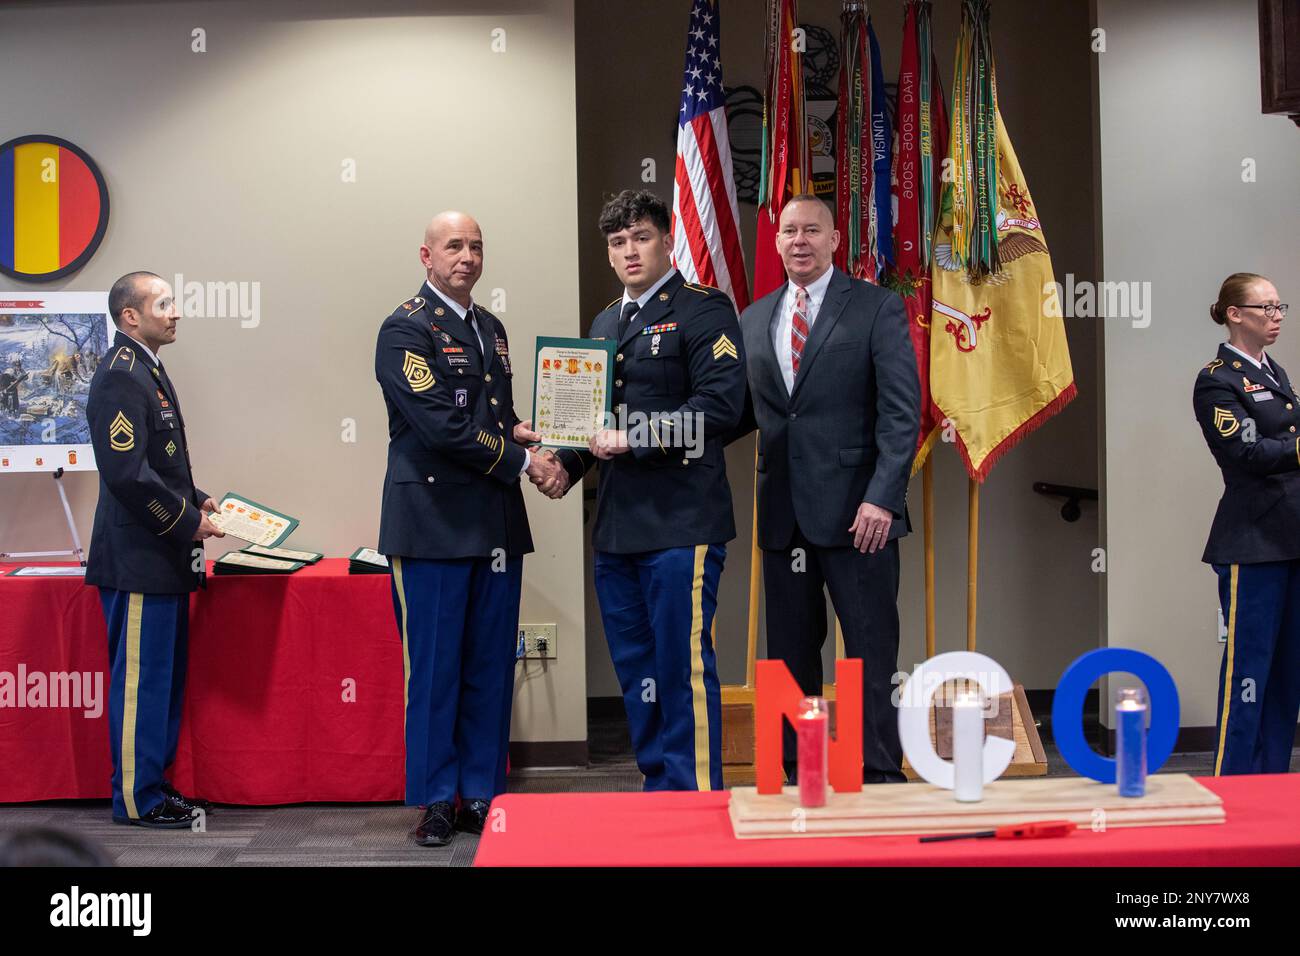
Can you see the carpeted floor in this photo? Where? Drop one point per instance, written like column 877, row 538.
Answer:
column 370, row 834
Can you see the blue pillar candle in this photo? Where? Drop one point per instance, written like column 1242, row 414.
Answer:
column 1131, row 740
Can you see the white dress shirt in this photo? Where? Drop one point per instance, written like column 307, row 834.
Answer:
column 460, row 310
column 147, row 351
column 785, row 320
column 644, row 297
column 1262, row 366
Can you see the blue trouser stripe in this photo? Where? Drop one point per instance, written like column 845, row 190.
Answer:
column 462, row 618
column 1259, row 677
column 658, row 619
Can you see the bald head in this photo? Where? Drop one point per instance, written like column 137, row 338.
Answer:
column 450, row 221
column 452, row 255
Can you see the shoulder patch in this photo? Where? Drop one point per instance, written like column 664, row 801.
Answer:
column 121, row 434
column 125, row 358
column 418, row 374
column 702, row 289
column 411, row 305
column 1213, row 365
column 724, row 347
column 1225, row 422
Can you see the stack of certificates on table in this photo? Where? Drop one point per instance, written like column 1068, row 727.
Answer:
column 367, row 561
column 256, row 559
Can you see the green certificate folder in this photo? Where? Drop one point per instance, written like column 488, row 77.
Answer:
column 571, row 389
column 241, row 517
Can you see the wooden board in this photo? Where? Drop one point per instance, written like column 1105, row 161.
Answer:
column 1030, row 760
column 899, row 808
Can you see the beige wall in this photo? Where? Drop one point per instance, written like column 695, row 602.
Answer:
column 227, row 166
column 1179, row 112
column 1037, row 597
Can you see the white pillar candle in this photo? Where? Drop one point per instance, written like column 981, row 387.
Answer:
column 968, row 747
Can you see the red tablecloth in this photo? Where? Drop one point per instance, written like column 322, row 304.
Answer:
column 692, row 829
column 273, row 661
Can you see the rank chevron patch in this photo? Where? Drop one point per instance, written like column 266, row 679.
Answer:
column 724, row 346
column 417, row 373
column 1225, row 422
column 121, row 433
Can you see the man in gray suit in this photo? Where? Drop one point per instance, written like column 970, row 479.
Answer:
column 835, row 397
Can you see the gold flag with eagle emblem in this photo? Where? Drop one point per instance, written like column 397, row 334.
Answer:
column 999, row 361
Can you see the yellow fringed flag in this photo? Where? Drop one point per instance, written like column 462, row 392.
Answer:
column 999, row 361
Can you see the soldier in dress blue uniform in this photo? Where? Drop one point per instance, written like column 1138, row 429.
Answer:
column 454, row 529
column 663, row 511
column 1249, row 413
column 144, row 555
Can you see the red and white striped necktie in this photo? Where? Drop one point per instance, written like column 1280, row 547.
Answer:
column 798, row 327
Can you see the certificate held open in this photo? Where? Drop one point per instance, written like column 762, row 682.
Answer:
column 571, row 392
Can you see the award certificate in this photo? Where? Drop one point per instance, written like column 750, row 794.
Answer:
column 571, row 392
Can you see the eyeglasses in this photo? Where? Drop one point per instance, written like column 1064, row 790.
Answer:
column 1269, row 308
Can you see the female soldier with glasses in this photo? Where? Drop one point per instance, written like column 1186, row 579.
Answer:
column 1249, row 414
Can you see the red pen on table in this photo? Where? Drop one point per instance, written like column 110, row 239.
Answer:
column 1015, row 831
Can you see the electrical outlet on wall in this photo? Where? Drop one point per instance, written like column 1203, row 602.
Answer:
column 539, row 641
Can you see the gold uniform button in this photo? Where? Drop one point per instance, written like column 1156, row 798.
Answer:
column 618, row 357
column 1293, row 428
column 460, row 371
column 618, row 383
column 487, row 378
column 430, row 479
column 1288, row 406
column 493, row 401
column 501, row 425
column 686, row 461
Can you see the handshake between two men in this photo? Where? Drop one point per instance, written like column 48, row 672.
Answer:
column 547, row 471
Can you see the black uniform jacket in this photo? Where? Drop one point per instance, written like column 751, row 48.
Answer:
column 679, row 370
column 148, row 511
column 1250, row 425
column 452, row 488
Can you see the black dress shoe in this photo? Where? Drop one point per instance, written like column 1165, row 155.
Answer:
column 473, row 816
column 190, row 803
column 436, row 826
column 168, row 815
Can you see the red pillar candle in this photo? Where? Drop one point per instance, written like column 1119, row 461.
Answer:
column 813, row 727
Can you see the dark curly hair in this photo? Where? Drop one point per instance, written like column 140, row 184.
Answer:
column 631, row 206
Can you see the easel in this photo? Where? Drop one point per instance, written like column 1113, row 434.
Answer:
column 76, row 551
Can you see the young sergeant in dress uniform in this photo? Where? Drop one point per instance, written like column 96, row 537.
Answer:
column 663, row 512
column 143, row 555
column 1249, row 413
column 454, row 528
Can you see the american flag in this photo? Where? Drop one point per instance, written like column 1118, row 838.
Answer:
column 706, row 237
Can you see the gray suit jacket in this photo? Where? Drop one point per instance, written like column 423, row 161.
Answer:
column 846, row 433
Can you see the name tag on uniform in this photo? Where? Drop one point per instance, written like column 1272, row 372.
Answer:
column 1262, row 396
column 456, row 361
column 167, row 415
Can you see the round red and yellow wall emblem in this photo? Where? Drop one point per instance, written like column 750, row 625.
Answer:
column 53, row 208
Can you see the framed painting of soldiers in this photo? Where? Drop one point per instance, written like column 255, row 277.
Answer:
column 50, row 346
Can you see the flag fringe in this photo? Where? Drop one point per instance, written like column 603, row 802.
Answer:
column 1068, row 394
column 923, row 452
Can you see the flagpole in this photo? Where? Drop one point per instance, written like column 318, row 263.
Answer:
column 972, row 559
column 927, row 498
column 755, row 574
